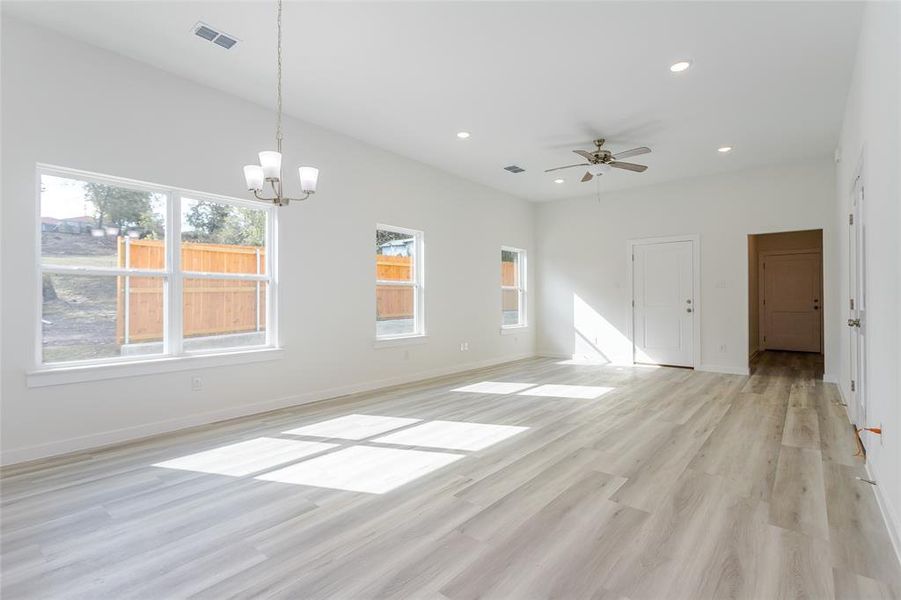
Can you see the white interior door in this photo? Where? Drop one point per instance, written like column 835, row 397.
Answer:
column 663, row 303
column 791, row 302
column 857, row 305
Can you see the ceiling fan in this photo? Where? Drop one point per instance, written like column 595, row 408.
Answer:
column 602, row 159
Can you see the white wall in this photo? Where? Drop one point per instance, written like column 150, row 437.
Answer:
column 583, row 259
column 871, row 136
column 74, row 105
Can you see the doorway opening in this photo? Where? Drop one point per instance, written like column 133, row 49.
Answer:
column 785, row 298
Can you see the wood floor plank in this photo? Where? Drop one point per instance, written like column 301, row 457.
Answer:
column 801, row 428
column 799, row 497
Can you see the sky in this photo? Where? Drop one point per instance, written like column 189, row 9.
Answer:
column 63, row 198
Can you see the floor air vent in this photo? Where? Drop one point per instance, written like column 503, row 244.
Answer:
column 514, row 169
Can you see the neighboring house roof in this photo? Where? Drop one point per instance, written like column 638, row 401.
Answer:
column 84, row 219
column 49, row 220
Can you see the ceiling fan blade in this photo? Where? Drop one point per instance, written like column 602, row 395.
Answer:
column 587, row 176
column 567, row 167
column 628, row 166
column 632, row 152
column 585, row 154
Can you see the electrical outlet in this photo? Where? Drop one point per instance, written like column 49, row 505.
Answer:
column 196, row 383
column 466, row 346
column 722, row 347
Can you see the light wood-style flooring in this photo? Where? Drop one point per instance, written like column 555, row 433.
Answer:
column 672, row 484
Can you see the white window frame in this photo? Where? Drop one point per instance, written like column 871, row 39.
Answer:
column 521, row 289
column 172, row 277
column 418, row 285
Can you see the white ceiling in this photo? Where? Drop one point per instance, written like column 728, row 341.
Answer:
column 530, row 80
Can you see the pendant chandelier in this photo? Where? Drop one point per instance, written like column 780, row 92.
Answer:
column 270, row 168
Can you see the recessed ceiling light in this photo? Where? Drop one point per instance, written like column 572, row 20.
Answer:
column 724, row 149
column 559, row 180
column 680, row 66
column 462, row 134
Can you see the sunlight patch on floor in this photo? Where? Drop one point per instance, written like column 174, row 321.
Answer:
column 353, row 427
column 247, row 457
column 363, row 469
column 586, row 392
column 452, row 435
column 494, row 387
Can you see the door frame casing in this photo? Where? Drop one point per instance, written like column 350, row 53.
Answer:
column 695, row 240
column 761, row 293
column 858, row 401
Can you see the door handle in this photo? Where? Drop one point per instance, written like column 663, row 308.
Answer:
column 853, row 322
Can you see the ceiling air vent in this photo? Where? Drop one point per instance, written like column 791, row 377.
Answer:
column 210, row 34
column 514, row 169
column 225, row 41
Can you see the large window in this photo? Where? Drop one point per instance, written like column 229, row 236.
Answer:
column 398, row 283
column 131, row 270
column 513, row 287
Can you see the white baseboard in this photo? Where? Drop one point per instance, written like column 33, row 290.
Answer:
column 892, row 523
column 131, row 434
column 707, row 368
column 831, row 378
column 729, row 370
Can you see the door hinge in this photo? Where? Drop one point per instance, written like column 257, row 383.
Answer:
column 853, row 386
column 764, row 301
column 851, row 302
column 851, row 219
column 633, row 258
column 764, row 338
column 633, row 303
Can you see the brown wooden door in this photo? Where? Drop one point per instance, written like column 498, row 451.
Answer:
column 792, row 302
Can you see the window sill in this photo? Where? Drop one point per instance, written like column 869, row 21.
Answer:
column 62, row 375
column 406, row 340
column 514, row 329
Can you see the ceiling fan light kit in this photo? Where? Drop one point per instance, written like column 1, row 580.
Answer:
column 270, row 168
column 602, row 160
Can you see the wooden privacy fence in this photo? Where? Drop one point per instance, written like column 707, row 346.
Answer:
column 391, row 301
column 211, row 306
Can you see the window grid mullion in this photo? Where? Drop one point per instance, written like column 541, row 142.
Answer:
column 230, row 276
column 102, row 272
column 174, row 309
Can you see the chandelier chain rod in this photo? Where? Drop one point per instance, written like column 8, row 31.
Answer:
column 278, row 125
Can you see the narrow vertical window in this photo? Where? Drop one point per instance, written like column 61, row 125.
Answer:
column 513, row 287
column 398, row 283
